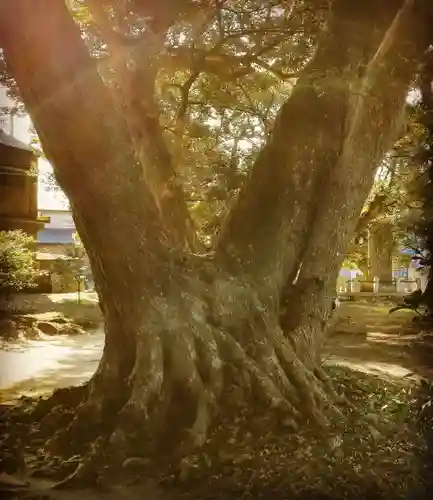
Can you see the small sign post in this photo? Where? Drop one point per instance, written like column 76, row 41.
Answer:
column 79, row 278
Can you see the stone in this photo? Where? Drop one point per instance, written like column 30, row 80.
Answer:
column 61, row 320
column 30, row 332
column 27, row 320
column 49, row 328
column 71, row 329
column 88, row 324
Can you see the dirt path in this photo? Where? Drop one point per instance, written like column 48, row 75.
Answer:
column 37, row 367
column 367, row 338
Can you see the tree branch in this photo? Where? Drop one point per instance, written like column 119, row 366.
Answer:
column 86, row 140
column 136, row 87
column 375, row 208
column 267, row 227
column 377, row 113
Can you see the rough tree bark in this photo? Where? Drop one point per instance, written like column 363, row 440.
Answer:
column 136, row 69
column 187, row 329
column 307, row 302
column 338, row 93
column 380, row 99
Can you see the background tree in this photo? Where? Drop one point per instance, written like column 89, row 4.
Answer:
column 394, row 203
column 423, row 158
column 17, row 264
column 238, row 327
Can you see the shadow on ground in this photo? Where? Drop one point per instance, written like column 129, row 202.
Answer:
column 67, row 304
column 367, row 338
column 33, row 368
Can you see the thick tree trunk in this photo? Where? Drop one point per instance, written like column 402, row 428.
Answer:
column 177, row 329
column 290, row 197
column 182, row 329
column 87, row 141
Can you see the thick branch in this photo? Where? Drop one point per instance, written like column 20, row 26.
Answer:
column 86, row 141
column 136, row 88
column 265, row 230
column 377, row 118
column 375, row 208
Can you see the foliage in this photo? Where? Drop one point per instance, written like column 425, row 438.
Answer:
column 78, row 252
column 225, row 71
column 75, row 262
column 396, row 195
column 412, row 302
column 17, row 263
column 424, row 158
column 412, row 186
column 417, row 303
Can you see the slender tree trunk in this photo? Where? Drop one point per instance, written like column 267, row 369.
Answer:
column 204, row 332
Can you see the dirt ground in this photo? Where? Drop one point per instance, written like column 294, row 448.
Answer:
column 374, row 359
column 367, row 338
column 365, row 335
column 84, row 308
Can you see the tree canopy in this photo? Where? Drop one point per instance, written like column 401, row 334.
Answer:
column 17, row 264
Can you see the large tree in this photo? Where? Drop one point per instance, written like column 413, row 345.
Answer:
column 191, row 333
column 424, row 159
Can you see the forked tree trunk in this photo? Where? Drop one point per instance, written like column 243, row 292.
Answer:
column 182, row 329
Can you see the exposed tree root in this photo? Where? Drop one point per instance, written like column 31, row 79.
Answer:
column 293, row 395
column 190, row 373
